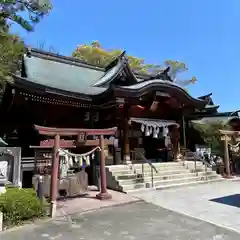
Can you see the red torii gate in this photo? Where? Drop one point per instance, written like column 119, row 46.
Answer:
column 81, row 139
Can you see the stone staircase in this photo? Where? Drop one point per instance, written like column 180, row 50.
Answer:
column 127, row 178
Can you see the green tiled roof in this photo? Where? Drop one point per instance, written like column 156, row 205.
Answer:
column 62, row 76
column 211, row 120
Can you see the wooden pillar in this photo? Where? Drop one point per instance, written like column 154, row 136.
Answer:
column 175, row 142
column 184, row 131
column 126, row 146
column 103, row 195
column 54, row 176
column 226, row 157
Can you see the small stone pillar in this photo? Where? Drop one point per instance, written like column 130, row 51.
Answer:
column 1, row 221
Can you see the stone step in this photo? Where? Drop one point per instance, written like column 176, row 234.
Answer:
column 146, row 174
column 177, row 185
column 139, row 165
column 166, row 183
column 162, row 177
column 184, row 180
column 149, row 171
column 115, row 168
column 126, row 188
column 147, row 168
column 217, row 179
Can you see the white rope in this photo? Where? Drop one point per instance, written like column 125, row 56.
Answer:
column 234, row 146
column 80, row 155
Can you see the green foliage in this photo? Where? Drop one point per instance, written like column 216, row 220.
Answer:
column 11, row 46
column 19, row 205
column 14, row 10
column 211, row 135
column 11, row 50
column 96, row 55
column 178, row 67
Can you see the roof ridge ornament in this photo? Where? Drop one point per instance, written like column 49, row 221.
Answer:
column 162, row 75
column 121, row 57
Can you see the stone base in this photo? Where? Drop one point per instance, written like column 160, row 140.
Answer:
column 53, row 209
column 104, row 196
column 228, row 177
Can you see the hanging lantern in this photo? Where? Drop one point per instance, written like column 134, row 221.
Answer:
column 155, row 133
column 150, row 130
column 142, row 127
column 147, row 133
column 165, row 131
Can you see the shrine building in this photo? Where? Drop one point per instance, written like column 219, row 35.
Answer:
column 151, row 112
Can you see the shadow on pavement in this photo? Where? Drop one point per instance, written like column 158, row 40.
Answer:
column 231, row 200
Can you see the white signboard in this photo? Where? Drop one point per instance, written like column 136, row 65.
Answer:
column 201, row 150
column 3, row 170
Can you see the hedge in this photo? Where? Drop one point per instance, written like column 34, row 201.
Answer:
column 18, row 205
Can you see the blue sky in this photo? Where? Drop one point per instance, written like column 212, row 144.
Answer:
column 204, row 34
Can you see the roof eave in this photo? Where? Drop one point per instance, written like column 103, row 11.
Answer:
column 168, row 88
column 23, row 83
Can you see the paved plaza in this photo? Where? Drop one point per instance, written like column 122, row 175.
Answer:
column 218, row 203
column 215, row 205
column 138, row 221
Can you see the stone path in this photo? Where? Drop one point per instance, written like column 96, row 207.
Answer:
column 90, row 202
column 136, row 221
column 195, row 202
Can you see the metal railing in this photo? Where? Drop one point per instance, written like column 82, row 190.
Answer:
column 196, row 159
column 205, row 163
column 134, row 155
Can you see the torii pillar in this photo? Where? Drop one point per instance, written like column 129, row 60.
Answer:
column 81, row 136
column 226, row 138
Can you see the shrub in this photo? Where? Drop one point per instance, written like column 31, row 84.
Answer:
column 19, row 205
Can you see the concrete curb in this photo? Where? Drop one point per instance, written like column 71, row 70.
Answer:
column 39, row 222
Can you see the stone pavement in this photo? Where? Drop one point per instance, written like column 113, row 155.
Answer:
column 90, row 202
column 195, row 201
column 136, row 221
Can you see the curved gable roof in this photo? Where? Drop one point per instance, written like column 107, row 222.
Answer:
column 139, row 89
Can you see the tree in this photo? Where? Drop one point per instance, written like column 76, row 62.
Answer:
column 211, row 135
column 11, row 10
column 11, row 46
column 96, row 55
column 11, row 49
column 177, row 67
